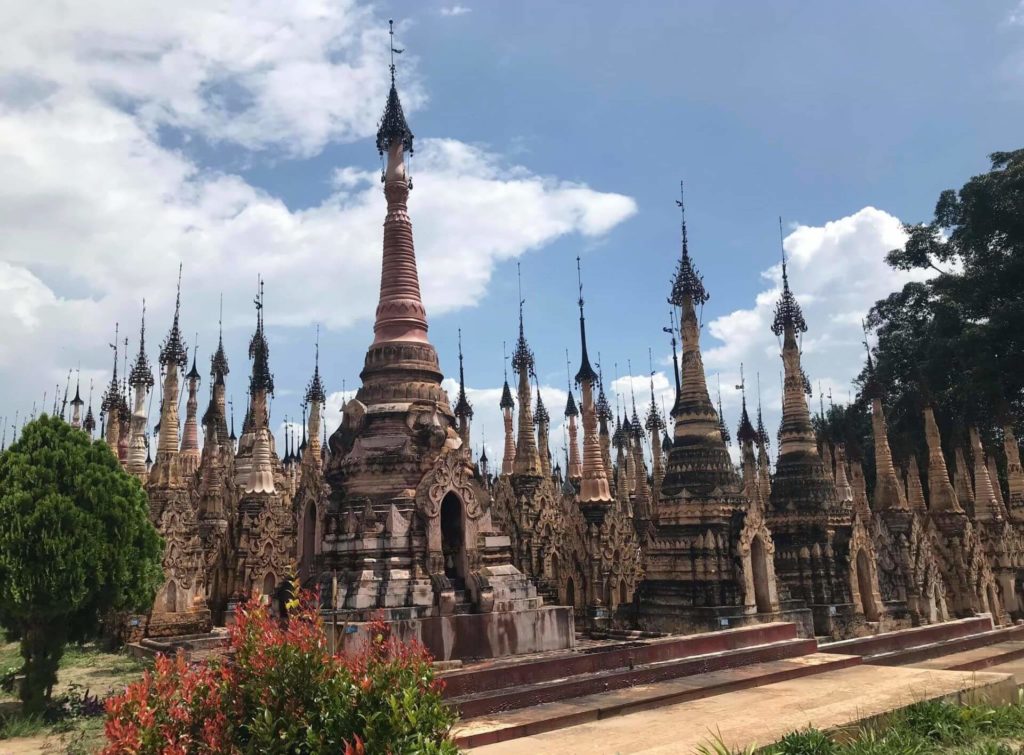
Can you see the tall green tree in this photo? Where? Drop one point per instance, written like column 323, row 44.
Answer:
column 75, row 544
column 957, row 339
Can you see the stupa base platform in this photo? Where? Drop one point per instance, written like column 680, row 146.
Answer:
column 465, row 636
column 671, row 619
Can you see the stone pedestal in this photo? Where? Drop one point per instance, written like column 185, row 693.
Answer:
column 467, row 636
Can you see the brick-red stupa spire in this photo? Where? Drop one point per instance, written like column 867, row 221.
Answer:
column 401, row 364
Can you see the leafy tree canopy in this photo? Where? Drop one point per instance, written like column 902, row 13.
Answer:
column 956, row 340
column 75, row 544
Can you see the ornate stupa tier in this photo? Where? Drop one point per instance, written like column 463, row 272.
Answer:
column 801, row 483
column 699, row 461
column 402, row 373
column 401, row 364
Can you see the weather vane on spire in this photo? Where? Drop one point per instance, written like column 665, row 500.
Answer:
column 681, row 203
column 394, row 50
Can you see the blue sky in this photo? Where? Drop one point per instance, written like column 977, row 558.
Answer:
column 132, row 139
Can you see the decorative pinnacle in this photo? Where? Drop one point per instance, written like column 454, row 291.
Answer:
column 635, row 425
column 315, row 390
column 522, row 357
column 231, row 406
column 570, row 402
column 193, row 373
column 111, row 397
column 506, row 392
column 540, row 414
column 463, row 409
column 89, row 423
column 687, row 282
column 762, row 433
column 655, row 422
column 726, row 437
column 602, row 407
column 173, row 350
column 142, row 374
column 219, row 361
column 787, row 310
column 77, row 400
column 393, row 127
column 586, row 373
column 746, row 432
column 259, row 352
column 871, row 388
column 672, row 330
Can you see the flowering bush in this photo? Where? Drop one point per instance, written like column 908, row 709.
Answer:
column 281, row 690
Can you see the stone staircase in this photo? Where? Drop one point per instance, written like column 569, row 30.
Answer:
column 463, row 603
column 938, row 645
column 566, row 688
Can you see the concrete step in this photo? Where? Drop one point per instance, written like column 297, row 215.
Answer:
column 839, row 700
column 902, row 639
column 549, row 716
column 194, row 646
column 534, row 693
column 594, row 658
column 979, row 658
column 956, row 645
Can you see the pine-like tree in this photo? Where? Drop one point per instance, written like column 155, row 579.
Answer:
column 75, row 544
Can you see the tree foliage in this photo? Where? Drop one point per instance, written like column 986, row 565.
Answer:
column 956, row 340
column 75, row 543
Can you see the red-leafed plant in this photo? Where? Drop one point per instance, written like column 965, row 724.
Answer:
column 281, row 690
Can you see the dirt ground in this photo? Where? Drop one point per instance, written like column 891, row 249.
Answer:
column 90, row 669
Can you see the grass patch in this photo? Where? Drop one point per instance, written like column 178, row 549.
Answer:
column 86, row 671
column 927, row 727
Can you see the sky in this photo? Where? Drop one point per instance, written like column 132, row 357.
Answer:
column 236, row 139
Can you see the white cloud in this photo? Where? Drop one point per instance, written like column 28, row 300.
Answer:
column 837, row 272
column 455, row 10
column 97, row 211
column 1016, row 16
column 292, row 75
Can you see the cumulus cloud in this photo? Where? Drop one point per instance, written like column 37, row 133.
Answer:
column 455, row 10
column 837, row 272
column 292, row 75
column 98, row 207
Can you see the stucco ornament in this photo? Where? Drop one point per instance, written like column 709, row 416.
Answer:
column 451, row 475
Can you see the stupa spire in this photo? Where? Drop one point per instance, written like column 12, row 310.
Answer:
column 1014, row 473
column 699, row 460
column 110, row 405
column 190, row 453
column 604, row 416
column 543, row 422
column 796, row 433
column 723, row 429
column 315, row 397
column 141, row 380
column 941, row 495
column 573, row 468
column 261, row 385
column 400, row 312
column 527, row 459
column 76, row 402
column 987, row 507
column 173, row 357
column 463, row 409
column 889, row 493
column 507, row 405
column 594, row 488
column 89, row 423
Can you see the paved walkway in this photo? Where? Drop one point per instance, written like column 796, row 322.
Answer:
column 763, row 714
